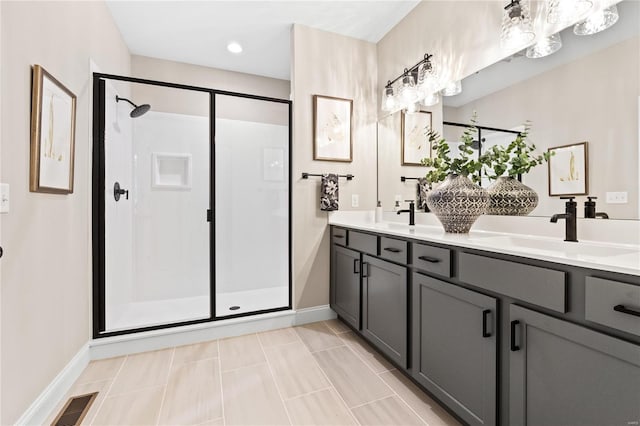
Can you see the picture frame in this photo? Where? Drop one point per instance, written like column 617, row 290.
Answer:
column 332, row 137
column 53, row 122
column 415, row 146
column 568, row 170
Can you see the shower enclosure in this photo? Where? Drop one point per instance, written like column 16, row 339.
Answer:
column 191, row 205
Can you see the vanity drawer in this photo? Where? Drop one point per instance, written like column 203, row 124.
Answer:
column 339, row 236
column 394, row 250
column 366, row 243
column 532, row 284
column 432, row 259
column 602, row 296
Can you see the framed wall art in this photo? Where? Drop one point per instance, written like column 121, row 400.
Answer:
column 415, row 145
column 332, row 140
column 53, row 122
column 569, row 170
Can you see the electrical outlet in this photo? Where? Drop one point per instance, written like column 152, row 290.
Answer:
column 355, row 200
column 617, row 197
column 4, row 198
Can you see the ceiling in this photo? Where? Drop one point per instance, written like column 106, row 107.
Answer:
column 197, row 32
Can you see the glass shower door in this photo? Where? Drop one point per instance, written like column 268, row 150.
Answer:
column 157, row 237
column 252, row 205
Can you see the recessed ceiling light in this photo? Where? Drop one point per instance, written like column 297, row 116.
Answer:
column 234, row 47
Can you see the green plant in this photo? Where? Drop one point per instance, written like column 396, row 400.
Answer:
column 442, row 164
column 517, row 158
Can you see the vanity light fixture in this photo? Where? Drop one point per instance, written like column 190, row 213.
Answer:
column 234, row 47
column 517, row 29
column 567, row 12
column 416, row 84
column 452, row 88
column 388, row 100
column 545, row 47
column 598, row 21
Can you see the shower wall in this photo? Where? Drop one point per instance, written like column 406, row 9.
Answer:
column 251, row 206
column 171, row 233
column 118, row 152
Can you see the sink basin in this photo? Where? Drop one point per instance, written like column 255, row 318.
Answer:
column 569, row 249
column 418, row 229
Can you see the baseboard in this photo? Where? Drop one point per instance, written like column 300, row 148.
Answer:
column 161, row 339
column 40, row 410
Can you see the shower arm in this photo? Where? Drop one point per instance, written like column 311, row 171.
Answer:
column 118, row 99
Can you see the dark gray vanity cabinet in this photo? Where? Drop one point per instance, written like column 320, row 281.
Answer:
column 561, row 373
column 454, row 347
column 384, row 307
column 345, row 284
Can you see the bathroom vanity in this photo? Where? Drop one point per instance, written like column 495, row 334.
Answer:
column 502, row 329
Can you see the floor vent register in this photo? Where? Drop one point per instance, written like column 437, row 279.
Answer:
column 74, row 410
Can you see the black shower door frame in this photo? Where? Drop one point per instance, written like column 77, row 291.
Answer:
column 99, row 203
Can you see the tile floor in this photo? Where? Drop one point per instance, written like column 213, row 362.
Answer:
column 316, row 374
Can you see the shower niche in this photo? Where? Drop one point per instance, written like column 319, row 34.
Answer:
column 171, row 171
column 189, row 163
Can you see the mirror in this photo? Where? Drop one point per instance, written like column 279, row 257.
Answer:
column 587, row 91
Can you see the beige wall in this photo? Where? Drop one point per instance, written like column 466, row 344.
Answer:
column 561, row 105
column 46, row 283
column 197, row 103
column 328, row 64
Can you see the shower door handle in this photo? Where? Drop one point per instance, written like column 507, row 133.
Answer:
column 117, row 192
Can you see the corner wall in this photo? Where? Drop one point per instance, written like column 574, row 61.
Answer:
column 328, row 64
column 46, row 284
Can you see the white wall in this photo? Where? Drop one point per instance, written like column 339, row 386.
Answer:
column 329, row 64
column 252, row 199
column 170, row 230
column 118, row 216
column 46, row 282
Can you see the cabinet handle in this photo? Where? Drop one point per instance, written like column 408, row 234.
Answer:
column 625, row 310
column 356, row 266
column 392, row 249
column 514, row 347
column 365, row 270
column 429, row 259
column 485, row 322
column 338, row 236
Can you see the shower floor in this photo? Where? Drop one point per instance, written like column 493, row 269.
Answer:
column 157, row 312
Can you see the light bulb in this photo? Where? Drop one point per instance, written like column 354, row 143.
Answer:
column 428, row 80
column 388, row 100
column 431, row 99
column 517, row 29
column 452, row 88
column 545, row 47
column 412, row 108
column 598, row 21
column 408, row 92
column 566, row 12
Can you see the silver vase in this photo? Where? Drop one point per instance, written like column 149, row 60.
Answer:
column 510, row 197
column 457, row 203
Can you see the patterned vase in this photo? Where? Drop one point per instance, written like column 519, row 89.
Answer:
column 457, row 203
column 510, row 197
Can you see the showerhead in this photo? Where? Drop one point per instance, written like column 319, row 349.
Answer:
column 137, row 111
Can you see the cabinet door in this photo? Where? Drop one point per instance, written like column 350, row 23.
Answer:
column 345, row 285
column 565, row 374
column 384, row 304
column 454, row 347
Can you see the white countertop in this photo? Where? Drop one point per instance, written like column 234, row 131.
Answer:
column 621, row 258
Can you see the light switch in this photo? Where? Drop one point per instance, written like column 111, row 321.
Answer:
column 355, row 200
column 617, row 198
column 4, row 198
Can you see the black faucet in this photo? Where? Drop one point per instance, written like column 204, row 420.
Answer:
column 590, row 209
column 411, row 211
column 570, row 216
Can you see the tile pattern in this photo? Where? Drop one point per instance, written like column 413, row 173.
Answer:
column 316, row 374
